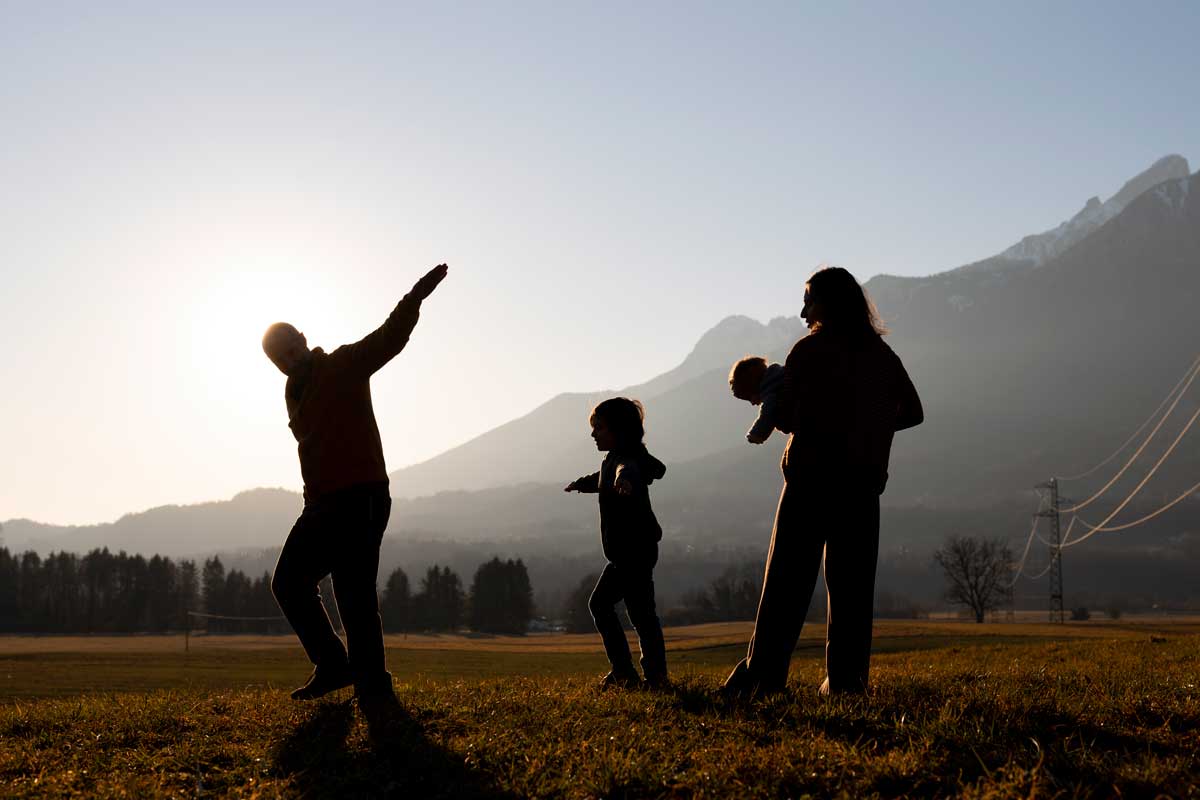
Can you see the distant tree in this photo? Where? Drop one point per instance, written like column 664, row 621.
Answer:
column 501, row 597
column 237, row 599
column 396, row 604
column 31, row 593
column 63, row 592
column 187, row 596
column 98, row 572
column 261, row 603
column 732, row 595
column 576, row 615
column 160, row 593
column 212, row 582
column 10, row 606
column 439, row 604
column 132, row 588
column 1080, row 614
column 978, row 573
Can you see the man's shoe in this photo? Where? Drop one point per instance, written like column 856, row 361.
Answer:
column 323, row 681
column 824, row 691
column 385, row 716
column 657, row 681
column 620, row 680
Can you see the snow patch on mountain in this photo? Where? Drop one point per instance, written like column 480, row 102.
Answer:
column 1174, row 194
column 1042, row 247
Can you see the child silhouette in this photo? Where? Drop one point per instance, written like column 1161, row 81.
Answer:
column 629, row 533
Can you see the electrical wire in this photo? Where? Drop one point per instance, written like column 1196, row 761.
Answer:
column 1147, row 518
column 1061, row 538
column 1141, row 427
column 1029, row 541
column 222, row 616
column 1194, row 372
column 1043, row 572
column 1137, row 488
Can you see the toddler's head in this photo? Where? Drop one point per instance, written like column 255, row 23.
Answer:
column 618, row 422
column 745, row 377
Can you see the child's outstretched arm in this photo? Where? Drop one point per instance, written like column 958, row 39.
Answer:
column 627, row 476
column 588, row 483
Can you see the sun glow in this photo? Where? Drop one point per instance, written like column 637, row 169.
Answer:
column 230, row 312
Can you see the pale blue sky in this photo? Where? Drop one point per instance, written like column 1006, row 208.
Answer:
column 607, row 181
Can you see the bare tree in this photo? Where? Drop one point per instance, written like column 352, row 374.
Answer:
column 978, row 572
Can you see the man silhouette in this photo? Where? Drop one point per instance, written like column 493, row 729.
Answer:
column 346, row 499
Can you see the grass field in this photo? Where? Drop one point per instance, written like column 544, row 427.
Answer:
column 1005, row 710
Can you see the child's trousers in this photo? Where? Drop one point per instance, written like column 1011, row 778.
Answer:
column 633, row 583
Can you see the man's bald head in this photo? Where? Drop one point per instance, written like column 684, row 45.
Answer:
column 285, row 346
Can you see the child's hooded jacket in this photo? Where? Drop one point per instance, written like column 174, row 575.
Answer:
column 628, row 528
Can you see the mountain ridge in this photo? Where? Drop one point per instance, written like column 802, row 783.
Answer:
column 1001, row 356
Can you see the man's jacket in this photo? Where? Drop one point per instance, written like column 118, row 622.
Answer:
column 329, row 407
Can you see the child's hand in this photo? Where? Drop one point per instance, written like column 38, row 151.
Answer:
column 571, row 487
column 755, row 439
column 623, row 486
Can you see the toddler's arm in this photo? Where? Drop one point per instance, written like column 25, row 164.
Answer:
column 588, row 483
column 627, row 476
column 768, row 414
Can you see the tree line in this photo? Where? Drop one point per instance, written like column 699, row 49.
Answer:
column 103, row 592
column 500, row 600
column 97, row 593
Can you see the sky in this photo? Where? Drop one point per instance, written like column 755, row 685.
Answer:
column 607, row 181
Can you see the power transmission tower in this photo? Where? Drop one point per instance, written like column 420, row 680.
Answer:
column 1056, row 581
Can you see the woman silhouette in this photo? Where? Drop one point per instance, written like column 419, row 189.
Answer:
column 847, row 393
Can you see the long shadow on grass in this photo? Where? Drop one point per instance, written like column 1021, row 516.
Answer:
column 963, row 737
column 982, row 736
column 397, row 760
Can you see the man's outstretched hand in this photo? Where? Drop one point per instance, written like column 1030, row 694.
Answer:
column 424, row 287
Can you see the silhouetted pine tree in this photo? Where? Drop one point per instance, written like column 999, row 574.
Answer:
column 396, row 605
column 576, row 614
column 501, row 597
column 439, row 604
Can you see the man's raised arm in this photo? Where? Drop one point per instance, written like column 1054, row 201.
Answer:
column 381, row 345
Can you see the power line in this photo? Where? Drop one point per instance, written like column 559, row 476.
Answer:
column 1137, row 488
column 223, row 616
column 1147, row 518
column 1140, row 428
column 1065, row 534
column 1193, row 373
column 1037, row 515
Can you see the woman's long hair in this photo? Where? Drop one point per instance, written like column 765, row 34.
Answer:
column 847, row 311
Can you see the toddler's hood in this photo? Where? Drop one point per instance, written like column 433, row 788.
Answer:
column 651, row 467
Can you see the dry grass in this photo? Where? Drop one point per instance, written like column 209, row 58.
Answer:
column 957, row 710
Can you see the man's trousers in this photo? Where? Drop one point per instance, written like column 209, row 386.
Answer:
column 338, row 535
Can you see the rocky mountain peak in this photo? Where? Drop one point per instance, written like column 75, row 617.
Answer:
column 1041, row 247
column 1166, row 168
column 738, row 335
